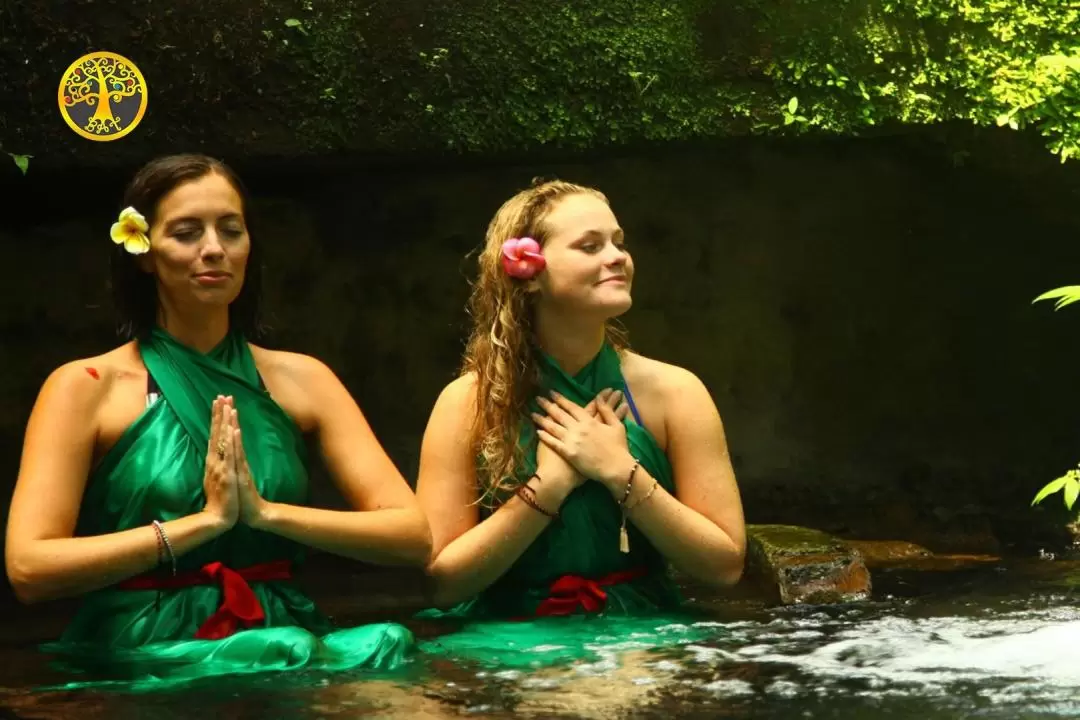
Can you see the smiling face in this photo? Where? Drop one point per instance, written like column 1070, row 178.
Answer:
column 588, row 267
column 199, row 244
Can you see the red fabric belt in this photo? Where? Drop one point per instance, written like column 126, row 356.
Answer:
column 239, row 604
column 571, row 592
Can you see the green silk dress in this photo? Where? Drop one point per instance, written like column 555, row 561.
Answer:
column 573, row 593
column 145, row 636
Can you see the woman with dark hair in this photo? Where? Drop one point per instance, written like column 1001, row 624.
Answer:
column 166, row 480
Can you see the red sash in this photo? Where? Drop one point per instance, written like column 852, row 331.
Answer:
column 239, row 605
column 571, row 592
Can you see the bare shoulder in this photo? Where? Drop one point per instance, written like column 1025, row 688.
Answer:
column 291, row 367
column 95, row 397
column 455, row 407
column 460, row 392
column 90, row 380
column 655, row 376
column 302, row 385
column 669, row 396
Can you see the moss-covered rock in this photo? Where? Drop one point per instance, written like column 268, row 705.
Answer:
column 799, row 565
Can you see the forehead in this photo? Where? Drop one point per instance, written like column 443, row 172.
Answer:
column 211, row 194
column 580, row 213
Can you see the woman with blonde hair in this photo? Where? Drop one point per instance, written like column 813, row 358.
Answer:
column 562, row 473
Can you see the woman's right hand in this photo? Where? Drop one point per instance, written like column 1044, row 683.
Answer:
column 558, row 478
column 220, row 482
column 558, row 475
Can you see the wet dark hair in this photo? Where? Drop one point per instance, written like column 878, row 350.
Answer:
column 134, row 292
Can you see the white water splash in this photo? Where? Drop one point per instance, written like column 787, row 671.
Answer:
column 1024, row 646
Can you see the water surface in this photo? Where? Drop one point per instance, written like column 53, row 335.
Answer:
column 989, row 641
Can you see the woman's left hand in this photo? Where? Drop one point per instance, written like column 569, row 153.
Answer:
column 595, row 446
column 252, row 505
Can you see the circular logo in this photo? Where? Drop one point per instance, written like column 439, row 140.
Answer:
column 102, row 96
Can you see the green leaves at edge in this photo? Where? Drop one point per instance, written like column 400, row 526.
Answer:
column 1070, row 483
column 1065, row 296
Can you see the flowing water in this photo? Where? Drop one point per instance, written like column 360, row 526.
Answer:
column 984, row 641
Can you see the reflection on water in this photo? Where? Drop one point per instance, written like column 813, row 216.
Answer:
column 989, row 642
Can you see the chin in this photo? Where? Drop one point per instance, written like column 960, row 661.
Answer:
column 594, row 305
column 612, row 310
column 216, row 298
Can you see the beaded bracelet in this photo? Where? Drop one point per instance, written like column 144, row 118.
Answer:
column 528, row 496
column 163, row 538
column 624, row 537
column 629, row 483
column 160, row 545
column 648, row 495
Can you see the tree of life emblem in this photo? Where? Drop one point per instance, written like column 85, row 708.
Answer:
column 102, row 96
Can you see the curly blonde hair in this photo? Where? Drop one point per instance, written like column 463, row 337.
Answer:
column 501, row 345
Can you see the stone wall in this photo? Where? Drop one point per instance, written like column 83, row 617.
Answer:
column 860, row 310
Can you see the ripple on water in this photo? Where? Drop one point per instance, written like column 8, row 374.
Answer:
column 1006, row 653
column 1019, row 659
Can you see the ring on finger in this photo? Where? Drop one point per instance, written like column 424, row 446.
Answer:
column 221, row 449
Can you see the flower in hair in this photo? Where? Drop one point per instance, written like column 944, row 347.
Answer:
column 130, row 231
column 521, row 258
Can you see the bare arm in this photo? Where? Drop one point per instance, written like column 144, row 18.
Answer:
column 468, row 556
column 44, row 561
column 700, row 529
column 386, row 525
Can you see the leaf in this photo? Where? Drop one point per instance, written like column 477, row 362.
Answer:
column 793, row 105
column 1066, row 296
column 21, row 161
column 294, row 23
column 1050, row 489
column 1072, row 490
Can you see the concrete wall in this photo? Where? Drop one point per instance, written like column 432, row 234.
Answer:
column 860, row 310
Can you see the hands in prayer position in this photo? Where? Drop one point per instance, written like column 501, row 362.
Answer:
column 231, row 493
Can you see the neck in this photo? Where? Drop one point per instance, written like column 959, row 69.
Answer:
column 571, row 342
column 202, row 331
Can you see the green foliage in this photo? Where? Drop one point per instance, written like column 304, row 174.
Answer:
column 488, row 76
column 855, row 64
column 500, row 74
column 1068, row 484
column 1070, row 481
column 21, row 161
column 350, row 65
column 503, row 74
column 1064, row 295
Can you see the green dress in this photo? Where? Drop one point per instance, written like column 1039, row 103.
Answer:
column 573, row 592
column 146, row 638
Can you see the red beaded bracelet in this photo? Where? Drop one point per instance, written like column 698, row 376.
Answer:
column 528, row 496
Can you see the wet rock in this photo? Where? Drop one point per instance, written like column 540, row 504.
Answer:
column 877, row 553
column 797, row 565
column 1072, row 532
column 899, row 554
